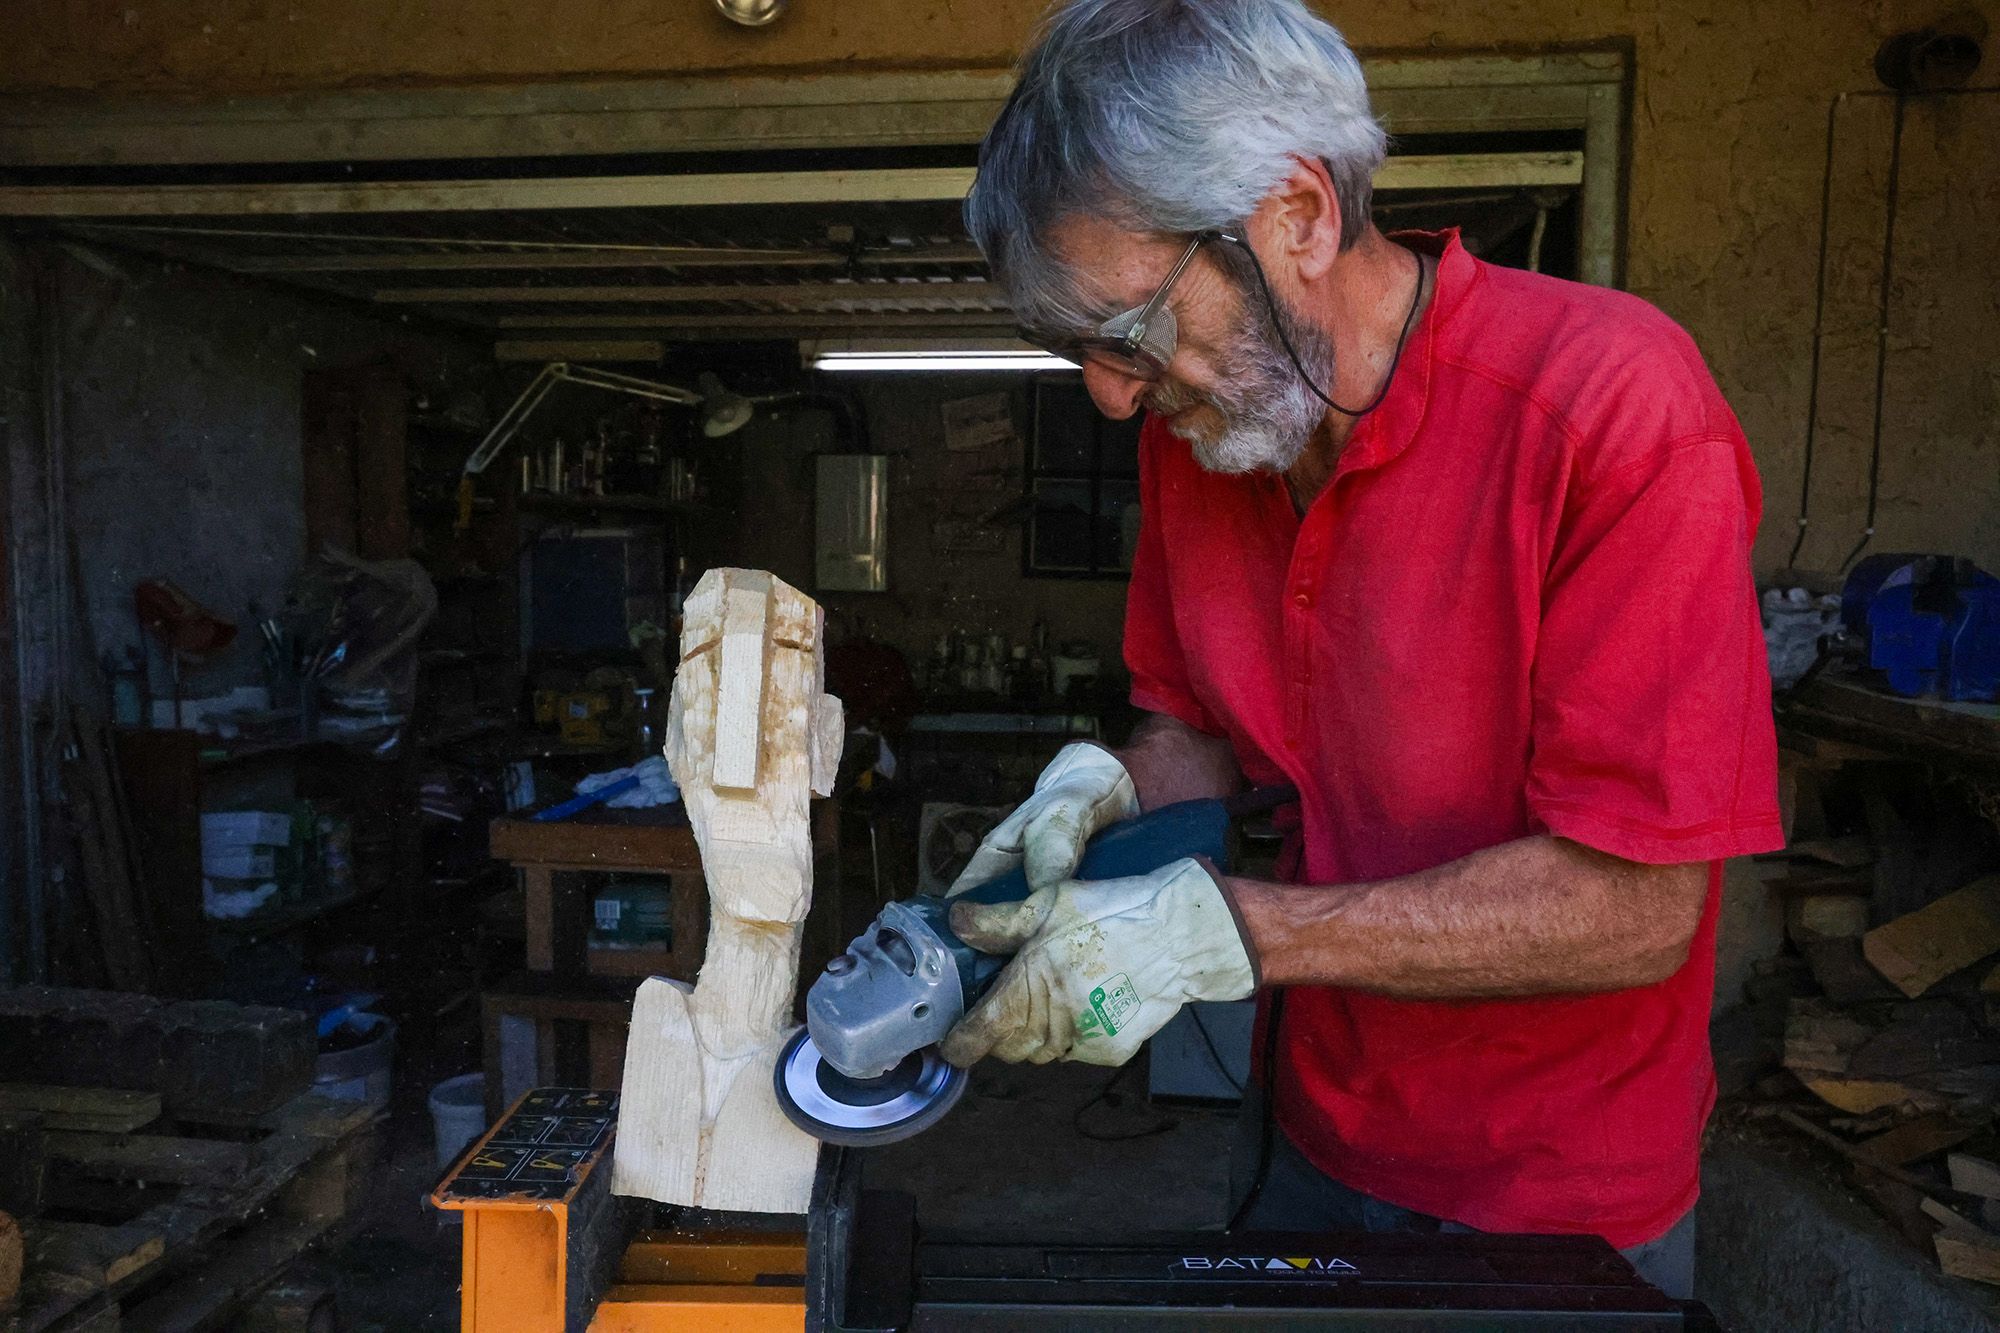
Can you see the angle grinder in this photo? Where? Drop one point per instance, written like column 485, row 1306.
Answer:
column 865, row 1068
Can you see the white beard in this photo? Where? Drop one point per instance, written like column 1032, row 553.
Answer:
column 1262, row 415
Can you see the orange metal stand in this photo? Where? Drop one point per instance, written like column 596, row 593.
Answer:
column 541, row 1169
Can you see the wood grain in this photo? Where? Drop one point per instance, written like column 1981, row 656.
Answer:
column 751, row 736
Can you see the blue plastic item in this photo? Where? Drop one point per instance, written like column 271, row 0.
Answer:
column 576, row 805
column 1931, row 623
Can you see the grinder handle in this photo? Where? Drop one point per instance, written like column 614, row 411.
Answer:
column 1132, row 846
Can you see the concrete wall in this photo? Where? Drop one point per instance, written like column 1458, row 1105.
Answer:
column 181, row 411
column 932, row 590
column 1729, row 113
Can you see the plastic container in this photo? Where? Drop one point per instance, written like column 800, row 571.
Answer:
column 239, row 828
column 458, row 1114
column 360, row 1073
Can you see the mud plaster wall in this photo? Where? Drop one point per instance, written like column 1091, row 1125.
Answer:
column 1728, row 117
column 181, row 409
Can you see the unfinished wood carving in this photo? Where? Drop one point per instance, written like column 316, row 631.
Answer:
column 751, row 736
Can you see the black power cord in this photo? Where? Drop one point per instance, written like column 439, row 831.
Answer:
column 1268, row 1082
column 1278, row 324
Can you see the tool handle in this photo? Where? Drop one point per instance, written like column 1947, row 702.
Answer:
column 576, row 805
column 1134, row 846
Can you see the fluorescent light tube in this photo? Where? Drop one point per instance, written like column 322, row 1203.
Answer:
column 941, row 359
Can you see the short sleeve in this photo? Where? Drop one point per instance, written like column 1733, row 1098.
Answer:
column 1152, row 638
column 1653, row 735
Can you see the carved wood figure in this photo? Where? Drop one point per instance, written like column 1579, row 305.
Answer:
column 751, row 736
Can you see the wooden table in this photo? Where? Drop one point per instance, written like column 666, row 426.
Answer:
column 580, row 998
column 554, row 857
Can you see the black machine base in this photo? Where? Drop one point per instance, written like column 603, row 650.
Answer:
column 869, row 1271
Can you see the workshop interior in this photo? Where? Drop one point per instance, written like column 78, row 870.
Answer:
column 505, row 506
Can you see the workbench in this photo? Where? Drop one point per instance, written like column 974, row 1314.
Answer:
column 1845, row 711
column 548, row 1249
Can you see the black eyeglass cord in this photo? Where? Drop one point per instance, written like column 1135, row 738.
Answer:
column 1402, row 339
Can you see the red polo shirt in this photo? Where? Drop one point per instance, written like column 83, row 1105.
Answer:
column 1523, row 605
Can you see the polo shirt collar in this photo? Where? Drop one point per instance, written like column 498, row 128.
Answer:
column 1384, row 433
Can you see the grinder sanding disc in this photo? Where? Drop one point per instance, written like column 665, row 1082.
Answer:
column 861, row 1113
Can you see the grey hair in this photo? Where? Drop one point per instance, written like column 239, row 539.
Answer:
column 1168, row 116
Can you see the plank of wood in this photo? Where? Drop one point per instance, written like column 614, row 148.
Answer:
column 102, row 1255
column 753, row 735
column 1820, row 1044
column 1949, row 1218
column 1826, row 915
column 1974, row 1175
column 1918, row 950
column 1848, row 851
column 594, row 841
column 1974, row 1257
column 106, row 877
column 13, row 1254
column 101, row 1110
column 1853, row 1152
column 165, row 1158
column 199, row 1055
column 233, row 1277
column 1898, row 1203
column 23, row 1162
column 1914, row 1140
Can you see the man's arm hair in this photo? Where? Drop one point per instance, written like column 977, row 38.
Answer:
column 1536, row 916
column 1170, row 761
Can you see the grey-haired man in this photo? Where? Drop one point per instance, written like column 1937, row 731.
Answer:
column 1461, row 553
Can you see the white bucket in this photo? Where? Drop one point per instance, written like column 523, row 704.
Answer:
column 360, row 1073
column 458, row 1114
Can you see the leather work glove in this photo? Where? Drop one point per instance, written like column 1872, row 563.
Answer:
column 1083, row 789
column 1099, row 966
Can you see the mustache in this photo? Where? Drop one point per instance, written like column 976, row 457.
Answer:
column 1168, row 397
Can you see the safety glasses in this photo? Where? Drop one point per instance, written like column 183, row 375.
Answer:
column 1140, row 342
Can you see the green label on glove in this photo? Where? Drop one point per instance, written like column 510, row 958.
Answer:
column 1109, row 1005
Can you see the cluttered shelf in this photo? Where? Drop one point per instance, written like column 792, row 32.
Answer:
column 270, row 922
column 539, row 503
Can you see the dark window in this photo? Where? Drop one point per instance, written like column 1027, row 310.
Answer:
column 1083, row 486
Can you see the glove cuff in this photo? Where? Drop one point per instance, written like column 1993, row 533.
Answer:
column 1235, row 970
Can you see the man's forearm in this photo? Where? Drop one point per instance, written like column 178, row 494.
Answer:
column 1170, row 761
column 1537, row 916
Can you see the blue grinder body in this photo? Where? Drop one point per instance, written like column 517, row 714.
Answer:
column 1135, row 846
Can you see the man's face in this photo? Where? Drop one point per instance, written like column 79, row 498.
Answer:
column 1230, row 391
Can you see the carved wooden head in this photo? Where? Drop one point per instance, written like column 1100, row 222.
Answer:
column 752, row 735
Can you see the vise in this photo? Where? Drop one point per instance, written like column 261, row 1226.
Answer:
column 1930, row 624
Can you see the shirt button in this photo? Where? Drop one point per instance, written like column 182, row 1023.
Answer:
column 1302, row 598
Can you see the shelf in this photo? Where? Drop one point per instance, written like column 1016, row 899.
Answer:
column 264, row 925
column 220, row 754
column 610, row 504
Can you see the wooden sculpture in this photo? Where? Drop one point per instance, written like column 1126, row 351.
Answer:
column 751, row 736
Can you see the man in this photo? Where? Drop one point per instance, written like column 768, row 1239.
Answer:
column 1458, row 551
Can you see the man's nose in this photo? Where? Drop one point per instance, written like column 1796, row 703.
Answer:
column 1117, row 396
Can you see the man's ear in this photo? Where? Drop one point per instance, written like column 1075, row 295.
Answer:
column 1300, row 219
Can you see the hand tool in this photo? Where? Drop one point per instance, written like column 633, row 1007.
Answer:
column 576, row 805
column 865, row 1069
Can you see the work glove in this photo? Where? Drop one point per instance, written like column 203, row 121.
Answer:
column 1099, row 966
column 1083, row 789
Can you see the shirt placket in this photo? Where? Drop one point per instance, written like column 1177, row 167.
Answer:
column 1303, row 588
